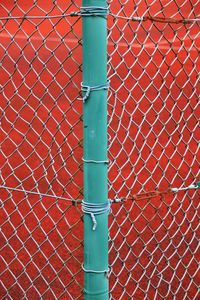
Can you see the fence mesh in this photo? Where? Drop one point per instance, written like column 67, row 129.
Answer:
column 153, row 130
column 41, row 134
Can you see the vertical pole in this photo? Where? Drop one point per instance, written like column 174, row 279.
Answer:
column 95, row 152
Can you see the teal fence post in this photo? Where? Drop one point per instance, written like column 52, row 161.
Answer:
column 95, row 149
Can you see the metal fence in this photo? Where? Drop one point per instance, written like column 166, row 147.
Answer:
column 153, row 130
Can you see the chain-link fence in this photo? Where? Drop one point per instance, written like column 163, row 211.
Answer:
column 41, row 150
column 154, row 146
column 153, row 108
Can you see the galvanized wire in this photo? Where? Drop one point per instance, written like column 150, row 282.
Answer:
column 154, row 149
column 41, row 152
column 153, row 124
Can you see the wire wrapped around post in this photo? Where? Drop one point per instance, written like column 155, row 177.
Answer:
column 96, row 205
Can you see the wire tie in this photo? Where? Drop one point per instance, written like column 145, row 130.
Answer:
column 96, row 161
column 88, row 89
column 95, row 209
column 96, row 11
column 96, row 271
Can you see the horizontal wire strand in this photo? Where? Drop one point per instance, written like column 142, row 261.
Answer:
column 156, row 19
column 136, row 197
column 82, row 13
column 39, row 194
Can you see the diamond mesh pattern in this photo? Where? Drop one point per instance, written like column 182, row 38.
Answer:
column 153, row 130
column 154, row 248
column 41, row 133
column 154, row 146
column 41, row 248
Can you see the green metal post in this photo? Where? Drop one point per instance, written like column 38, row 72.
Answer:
column 95, row 152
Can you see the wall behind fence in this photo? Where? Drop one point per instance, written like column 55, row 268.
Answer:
column 41, row 151
column 153, row 131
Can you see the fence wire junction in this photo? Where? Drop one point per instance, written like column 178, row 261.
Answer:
column 153, row 130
